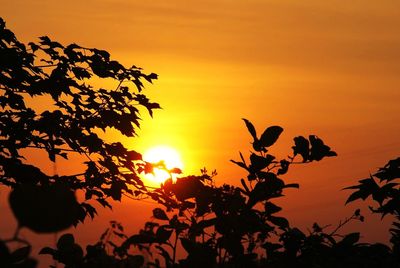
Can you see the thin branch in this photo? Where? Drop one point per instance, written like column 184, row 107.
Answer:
column 65, row 150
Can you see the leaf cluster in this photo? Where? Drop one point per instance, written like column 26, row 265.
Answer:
column 77, row 114
column 225, row 225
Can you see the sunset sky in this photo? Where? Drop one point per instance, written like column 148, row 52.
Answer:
column 330, row 68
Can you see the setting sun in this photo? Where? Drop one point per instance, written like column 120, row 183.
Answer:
column 168, row 155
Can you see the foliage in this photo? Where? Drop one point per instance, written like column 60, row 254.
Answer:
column 384, row 189
column 216, row 226
column 104, row 253
column 227, row 225
column 77, row 112
column 49, row 101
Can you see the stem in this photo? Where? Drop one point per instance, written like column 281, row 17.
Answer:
column 174, row 248
column 15, row 237
column 42, row 147
column 341, row 224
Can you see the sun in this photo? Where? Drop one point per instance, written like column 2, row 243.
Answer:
column 168, row 155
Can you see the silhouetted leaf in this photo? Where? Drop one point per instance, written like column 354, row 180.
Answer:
column 279, row 221
column 365, row 188
column 356, row 195
column 250, row 128
column 247, row 190
column 44, row 209
column 21, row 253
column 302, row 147
column 390, row 171
column 292, row 185
column 187, row 245
column 206, row 223
column 270, row 136
column 160, row 214
column 65, row 242
column 140, row 239
column 318, row 149
column 150, row 77
column 133, row 155
column 259, row 162
column 187, row 187
column 271, row 208
column 165, row 255
column 240, row 164
column 163, row 234
column 350, row 239
column 47, row 250
column 103, row 202
column 284, row 167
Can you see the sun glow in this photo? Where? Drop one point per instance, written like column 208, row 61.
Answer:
column 168, row 155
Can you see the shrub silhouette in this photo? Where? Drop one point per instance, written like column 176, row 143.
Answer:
column 217, row 226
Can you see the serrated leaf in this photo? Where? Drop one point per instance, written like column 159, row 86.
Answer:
column 354, row 196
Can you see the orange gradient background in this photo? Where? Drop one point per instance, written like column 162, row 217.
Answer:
column 313, row 67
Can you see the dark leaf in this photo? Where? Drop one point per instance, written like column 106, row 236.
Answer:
column 271, row 208
column 318, row 149
column 140, row 239
column 270, row 136
column 187, row 245
column 284, row 167
column 165, row 255
column 292, row 185
column 240, row 164
column 21, row 254
column 259, row 162
column 247, row 190
column 356, row 195
column 350, row 239
column 163, row 234
column 45, row 209
column 133, row 155
column 47, row 250
column 66, row 241
column 302, row 147
column 206, row 223
column 251, row 129
column 281, row 222
column 160, row 214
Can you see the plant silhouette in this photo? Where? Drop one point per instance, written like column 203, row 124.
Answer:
column 216, row 226
column 77, row 114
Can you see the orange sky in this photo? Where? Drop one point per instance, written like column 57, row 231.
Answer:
column 330, row 68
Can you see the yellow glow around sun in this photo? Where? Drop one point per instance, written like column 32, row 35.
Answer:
column 171, row 160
